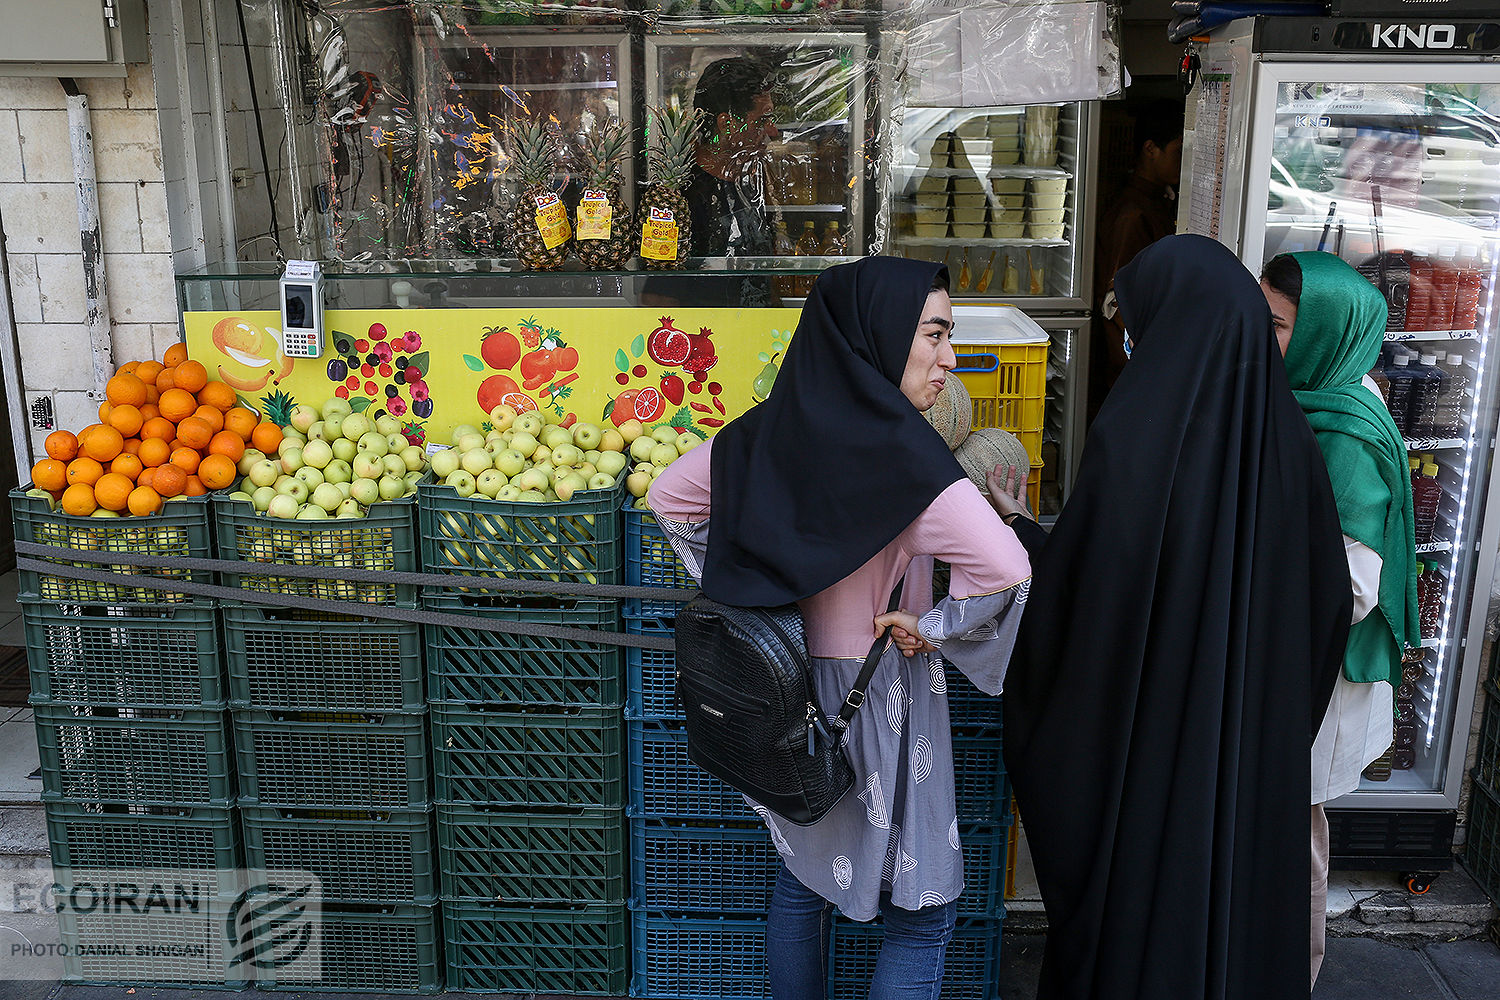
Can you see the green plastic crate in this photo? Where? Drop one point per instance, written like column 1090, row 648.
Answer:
column 577, row 541
column 498, row 856
column 333, row 760
column 135, row 949
column 1482, row 849
column 476, row 667
column 280, row 660
column 204, row 841
column 180, row 529
column 384, row 858
column 382, row 541
column 161, row 655
column 391, row 949
column 565, row 758
column 138, row 756
column 536, row 950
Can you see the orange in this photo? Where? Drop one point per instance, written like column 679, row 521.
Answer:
column 166, row 379
column 154, row 451
column 112, row 491
column 158, row 427
column 241, row 421
column 147, row 371
column 101, row 442
column 169, row 481
column 146, row 477
column 49, row 474
column 62, row 445
column 105, row 409
column 144, row 500
column 152, row 395
column 195, row 432
column 78, row 500
column 177, row 404
column 148, row 410
column 126, row 419
column 194, row 487
column 217, row 471
column 228, row 444
column 132, row 446
column 218, row 395
column 266, row 437
column 125, row 389
column 84, row 470
column 176, row 355
column 211, row 415
column 127, row 465
column 186, row 459
column 190, row 375
column 175, row 444
column 127, row 368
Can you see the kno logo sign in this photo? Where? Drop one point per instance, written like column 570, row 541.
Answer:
column 1414, row 36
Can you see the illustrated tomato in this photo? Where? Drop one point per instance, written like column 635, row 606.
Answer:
column 499, row 348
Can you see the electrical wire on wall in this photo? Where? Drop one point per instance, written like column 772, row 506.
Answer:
column 260, row 133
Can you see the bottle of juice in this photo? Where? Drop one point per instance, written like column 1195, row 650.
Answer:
column 1445, row 280
column 1416, row 470
column 1470, row 282
column 1453, row 405
column 807, row 246
column 1430, row 603
column 1426, row 496
column 834, row 241
column 784, row 249
column 1426, row 391
column 1419, row 294
column 1401, row 378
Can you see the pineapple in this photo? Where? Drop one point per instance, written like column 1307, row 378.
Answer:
column 670, row 166
column 277, row 408
column 605, row 147
column 535, row 152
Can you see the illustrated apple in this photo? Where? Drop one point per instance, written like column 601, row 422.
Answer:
column 350, row 508
column 445, row 463
column 356, row 426
column 489, row 482
column 375, row 444
column 364, row 491
column 328, row 497
column 392, row 487
column 282, row 506
column 394, row 466
column 601, row 481
column 510, row 462
column 262, row 498
column 337, row 471
column 265, row 472
column 640, row 448
column 304, row 416
column 248, row 460
column 309, row 477
column 336, row 407
column 344, row 449
column 476, row 460
column 503, row 416
column 525, row 442
column 462, row 482
column 387, row 425
column 413, row 458
column 686, row 442
column 664, row 434
column 367, row 466
column 612, row 463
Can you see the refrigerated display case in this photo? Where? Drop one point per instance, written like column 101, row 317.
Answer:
column 1003, row 197
column 1392, row 162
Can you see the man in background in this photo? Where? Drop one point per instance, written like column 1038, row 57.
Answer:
column 1143, row 211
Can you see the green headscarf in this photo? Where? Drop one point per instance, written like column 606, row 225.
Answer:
column 1341, row 321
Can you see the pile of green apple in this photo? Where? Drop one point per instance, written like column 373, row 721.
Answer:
column 531, row 458
column 331, row 463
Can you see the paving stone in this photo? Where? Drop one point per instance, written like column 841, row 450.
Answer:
column 1471, row 969
column 1363, row 969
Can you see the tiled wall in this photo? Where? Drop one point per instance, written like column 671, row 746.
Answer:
column 39, row 219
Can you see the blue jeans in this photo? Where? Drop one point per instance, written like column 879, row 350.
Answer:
column 910, row 966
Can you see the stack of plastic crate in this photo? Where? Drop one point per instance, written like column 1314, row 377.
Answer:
column 703, row 864
column 1482, row 850
column 330, row 729
column 526, row 732
column 129, row 694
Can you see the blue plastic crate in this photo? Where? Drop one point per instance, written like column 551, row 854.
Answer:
column 651, row 674
column 971, row 970
column 665, row 784
column 982, row 787
column 702, row 867
column 969, row 708
column 698, row 957
column 651, row 562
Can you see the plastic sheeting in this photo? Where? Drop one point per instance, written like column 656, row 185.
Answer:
column 407, row 107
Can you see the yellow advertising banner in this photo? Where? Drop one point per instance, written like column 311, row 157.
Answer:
column 436, row 369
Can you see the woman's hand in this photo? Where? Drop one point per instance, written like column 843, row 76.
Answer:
column 904, row 631
column 1006, row 491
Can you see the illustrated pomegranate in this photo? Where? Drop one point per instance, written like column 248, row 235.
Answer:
column 667, row 345
column 702, row 357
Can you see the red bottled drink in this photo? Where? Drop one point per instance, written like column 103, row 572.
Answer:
column 1470, row 289
column 1426, row 495
column 1419, row 294
column 1445, row 279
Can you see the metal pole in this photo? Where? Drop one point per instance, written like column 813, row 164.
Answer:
column 14, row 380
column 95, row 288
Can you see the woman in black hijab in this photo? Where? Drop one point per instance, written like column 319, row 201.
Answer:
column 1185, row 625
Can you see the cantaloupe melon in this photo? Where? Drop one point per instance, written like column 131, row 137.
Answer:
column 988, row 447
column 952, row 413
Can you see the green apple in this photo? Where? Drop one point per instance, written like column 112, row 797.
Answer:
column 344, row 488
column 265, row 472
column 365, row 491
column 542, row 454
column 239, row 495
column 612, row 462
column 395, row 442
column 262, row 497
column 43, row 495
column 291, row 458
column 344, row 450
column 315, row 432
column 461, row 431
column 310, row 477
column 489, row 483
column 292, row 434
column 631, row 429
column 413, row 458
column 355, row 426
column 588, row 470
column 511, row 462
column 327, row 497
column 531, row 496
column 394, row 466
column 553, row 436
column 248, row 460
column 533, row 479
column 387, row 425
column 282, row 506
column 294, row 488
column 334, row 406
column 502, row 416
column 663, row 455
column 469, row 442
column 350, row 508
column 638, row 483
column 570, row 484
column 613, row 441
column 367, row 466
column 414, row 477
column 664, row 434
column 686, row 442
column 462, row 482
column 476, row 460
column 333, row 427
column 303, row 417
column 567, row 454
column 525, row 442
column 640, row 448
column 508, row 492
column 336, row 471
column 532, row 423
column 312, row 512
column 601, row 481
column 587, row 436
column 445, row 463
column 375, row 444
column 317, row 454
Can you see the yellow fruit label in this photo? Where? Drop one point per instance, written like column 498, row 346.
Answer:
column 552, row 221
column 659, row 235
column 594, row 216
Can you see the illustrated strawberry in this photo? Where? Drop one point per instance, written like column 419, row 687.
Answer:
column 672, row 388
column 499, row 348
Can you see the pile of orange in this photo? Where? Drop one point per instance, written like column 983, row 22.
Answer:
column 164, row 431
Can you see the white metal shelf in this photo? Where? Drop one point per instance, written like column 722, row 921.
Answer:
column 1434, row 547
column 1008, row 170
column 982, row 241
column 810, row 208
column 1435, row 444
column 1401, row 337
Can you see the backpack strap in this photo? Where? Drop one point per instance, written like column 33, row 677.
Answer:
column 867, row 672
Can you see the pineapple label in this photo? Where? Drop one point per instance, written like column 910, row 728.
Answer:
column 594, row 215
column 659, row 235
column 552, row 221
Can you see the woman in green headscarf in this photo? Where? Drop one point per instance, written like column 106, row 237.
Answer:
column 1330, row 323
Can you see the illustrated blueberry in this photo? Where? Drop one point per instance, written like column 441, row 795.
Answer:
column 400, row 378
column 372, row 359
column 342, row 345
column 391, row 391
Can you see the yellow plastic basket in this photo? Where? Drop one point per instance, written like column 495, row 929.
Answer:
column 1008, row 386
